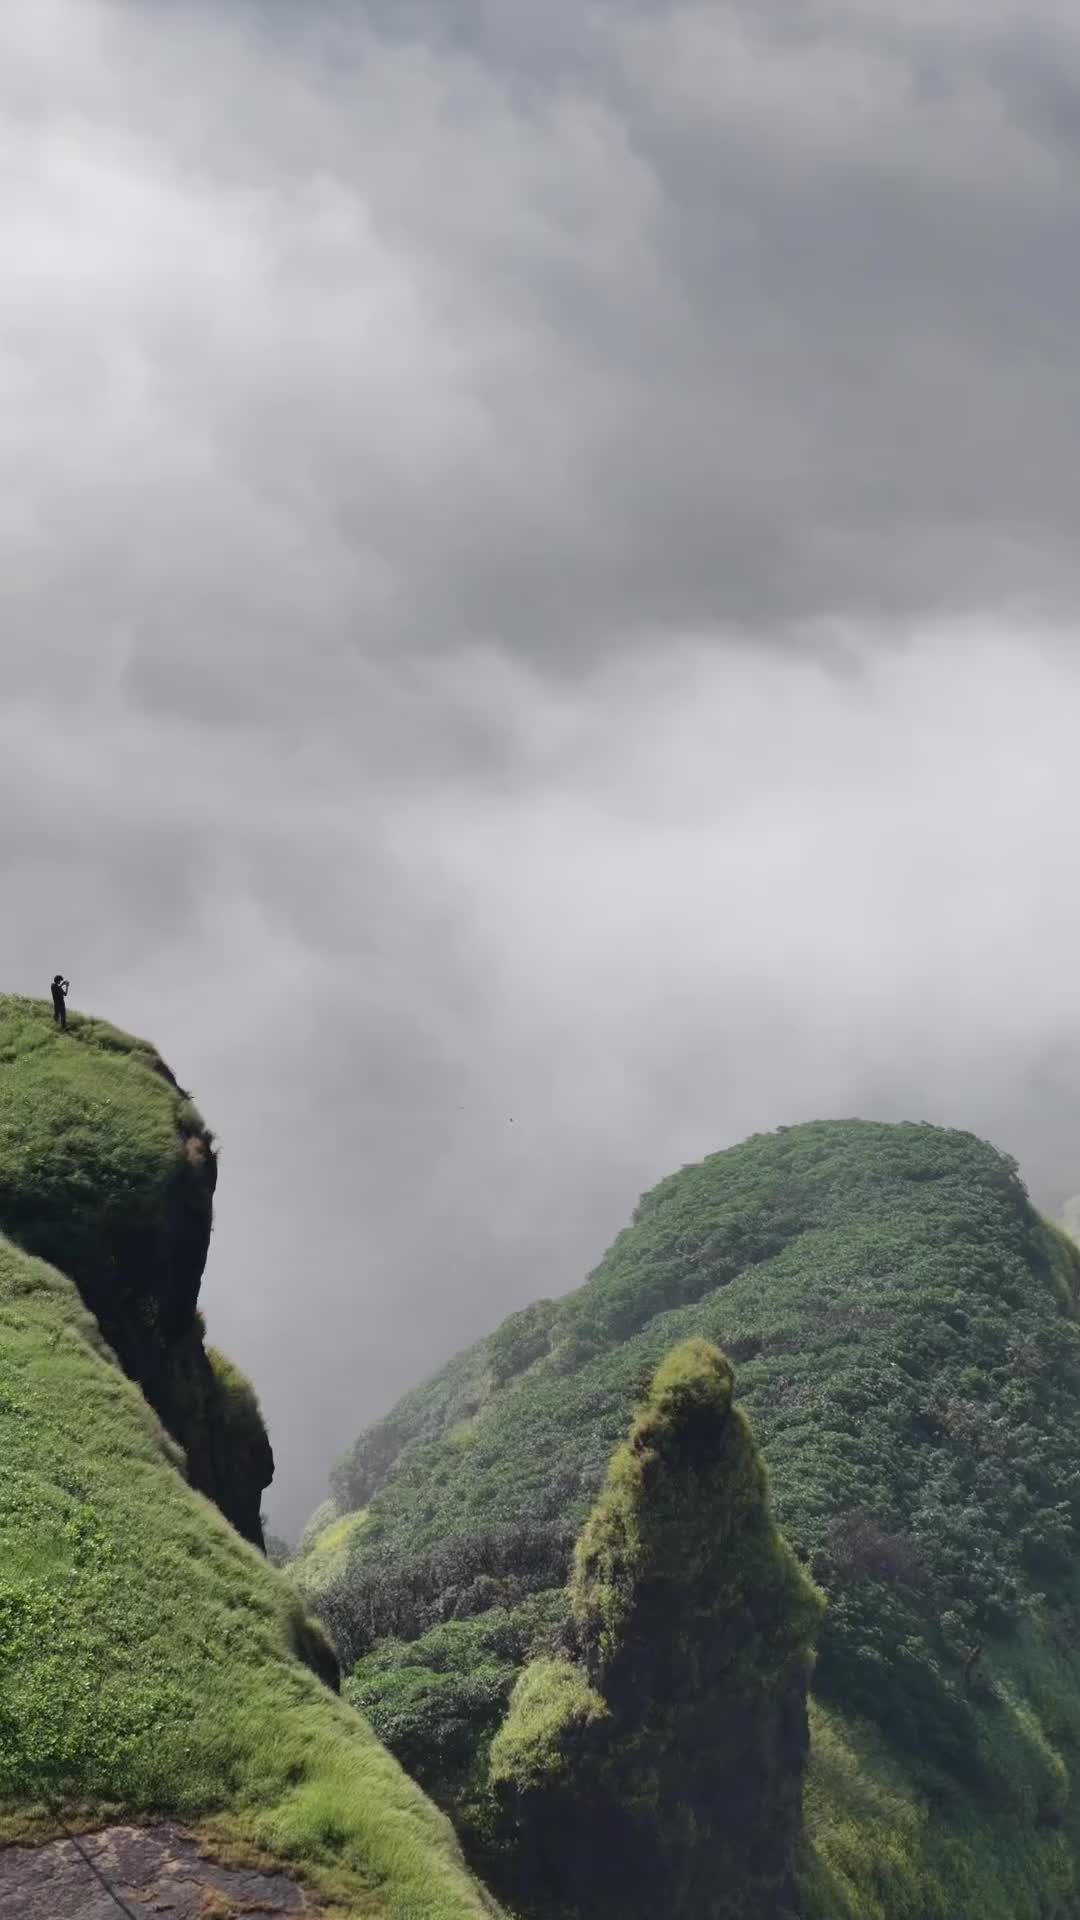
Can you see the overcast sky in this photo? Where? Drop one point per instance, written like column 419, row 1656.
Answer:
column 539, row 570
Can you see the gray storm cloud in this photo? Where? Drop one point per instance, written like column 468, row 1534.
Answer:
column 539, row 568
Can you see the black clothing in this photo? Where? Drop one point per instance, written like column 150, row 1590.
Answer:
column 59, row 995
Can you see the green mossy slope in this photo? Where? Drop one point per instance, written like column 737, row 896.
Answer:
column 904, row 1332
column 147, row 1653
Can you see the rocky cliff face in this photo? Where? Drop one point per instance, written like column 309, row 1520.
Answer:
column 108, row 1172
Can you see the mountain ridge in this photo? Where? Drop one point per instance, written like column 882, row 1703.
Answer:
column 904, row 1334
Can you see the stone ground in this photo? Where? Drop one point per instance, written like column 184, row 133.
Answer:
column 157, row 1871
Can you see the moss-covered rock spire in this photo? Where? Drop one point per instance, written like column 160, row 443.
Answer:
column 658, row 1768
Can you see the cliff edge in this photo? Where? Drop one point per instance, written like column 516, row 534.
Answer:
column 163, row 1694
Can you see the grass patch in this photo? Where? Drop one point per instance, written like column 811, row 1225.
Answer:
column 551, row 1708
column 327, row 1553
column 241, row 1416
column 92, row 1137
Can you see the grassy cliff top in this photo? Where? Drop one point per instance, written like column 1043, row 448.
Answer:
column 88, row 1100
column 96, row 1142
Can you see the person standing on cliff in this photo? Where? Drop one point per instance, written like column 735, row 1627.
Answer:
column 60, row 990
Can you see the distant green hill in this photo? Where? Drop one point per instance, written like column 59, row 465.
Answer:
column 904, row 1333
column 152, row 1665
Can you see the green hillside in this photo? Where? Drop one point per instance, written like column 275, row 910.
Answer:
column 903, row 1330
column 152, row 1665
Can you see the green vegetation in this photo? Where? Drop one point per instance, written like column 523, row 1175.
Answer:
column 241, row 1419
column 151, row 1662
column 103, row 1163
column 108, row 1172
column 242, row 1463
column 439, row 1701
column 590, row 1648
column 693, row 1628
column 904, row 1329
column 543, row 1746
column 327, row 1551
column 671, row 1671
column 146, row 1652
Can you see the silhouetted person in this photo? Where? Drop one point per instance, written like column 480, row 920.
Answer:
column 60, row 990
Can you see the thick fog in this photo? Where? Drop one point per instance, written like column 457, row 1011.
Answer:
column 539, row 572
